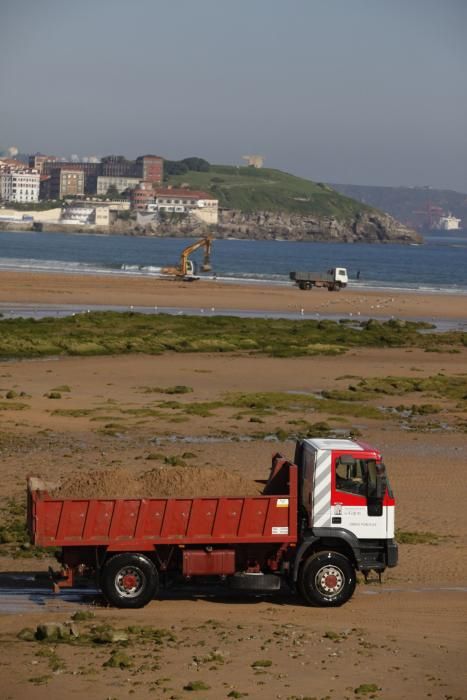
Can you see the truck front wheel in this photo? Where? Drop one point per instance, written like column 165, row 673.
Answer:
column 129, row 580
column 327, row 579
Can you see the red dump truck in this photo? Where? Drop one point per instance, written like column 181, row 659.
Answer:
column 320, row 518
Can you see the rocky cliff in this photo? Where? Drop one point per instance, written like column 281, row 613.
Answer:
column 367, row 227
column 363, row 227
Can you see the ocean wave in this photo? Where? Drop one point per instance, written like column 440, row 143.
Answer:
column 34, row 265
column 143, row 269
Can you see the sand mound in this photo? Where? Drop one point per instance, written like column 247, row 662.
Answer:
column 107, row 483
column 162, row 482
column 196, row 481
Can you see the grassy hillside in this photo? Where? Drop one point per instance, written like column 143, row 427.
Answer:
column 250, row 189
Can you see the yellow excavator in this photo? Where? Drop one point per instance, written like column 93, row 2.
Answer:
column 186, row 268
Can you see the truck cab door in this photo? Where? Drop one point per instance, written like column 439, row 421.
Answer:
column 357, row 501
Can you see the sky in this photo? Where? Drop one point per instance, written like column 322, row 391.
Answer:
column 370, row 92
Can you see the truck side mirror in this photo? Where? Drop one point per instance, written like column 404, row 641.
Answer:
column 380, row 486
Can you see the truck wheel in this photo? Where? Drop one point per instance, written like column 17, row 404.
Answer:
column 129, row 580
column 327, row 579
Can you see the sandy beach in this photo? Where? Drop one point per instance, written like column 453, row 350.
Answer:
column 47, row 289
column 404, row 639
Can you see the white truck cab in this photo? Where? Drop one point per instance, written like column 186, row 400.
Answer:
column 340, row 275
column 346, row 501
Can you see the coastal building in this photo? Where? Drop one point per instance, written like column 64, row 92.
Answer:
column 44, row 188
column 20, row 186
column 85, row 215
column 10, row 164
column 142, row 196
column 102, row 216
column 104, row 182
column 66, row 183
column 87, row 168
column 113, row 205
column 150, row 168
column 37, row 161
column 90, row 170
column 201, row 205
column 117, row 166
column 75, row 215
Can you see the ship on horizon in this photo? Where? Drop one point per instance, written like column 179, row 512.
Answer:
column 448, row 223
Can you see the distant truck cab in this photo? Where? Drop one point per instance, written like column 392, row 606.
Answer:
column 318, row 521
column 334, row 279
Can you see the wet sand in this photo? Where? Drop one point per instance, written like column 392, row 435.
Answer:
column 45, row 288
column 405, row 639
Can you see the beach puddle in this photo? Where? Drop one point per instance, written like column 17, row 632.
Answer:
column 28, row 593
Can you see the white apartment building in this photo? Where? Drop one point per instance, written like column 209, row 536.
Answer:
column 19, row 186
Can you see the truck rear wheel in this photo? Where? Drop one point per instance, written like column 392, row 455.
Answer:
column 327, row 579
column 129, row 580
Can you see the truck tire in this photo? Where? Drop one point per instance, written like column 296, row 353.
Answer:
column 129, row 580
column 327, row 579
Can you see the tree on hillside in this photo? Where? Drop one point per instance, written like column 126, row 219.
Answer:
column 197, row 164
column 174, row 167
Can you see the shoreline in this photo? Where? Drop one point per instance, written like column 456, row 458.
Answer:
column 68, row 289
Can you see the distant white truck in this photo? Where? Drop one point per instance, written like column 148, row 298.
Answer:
column 334, row 279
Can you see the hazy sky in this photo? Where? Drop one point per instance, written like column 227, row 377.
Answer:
column 351, row 91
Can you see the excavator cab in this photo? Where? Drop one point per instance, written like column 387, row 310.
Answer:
column 190, row 268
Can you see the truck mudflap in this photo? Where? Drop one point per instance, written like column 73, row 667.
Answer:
column 392, row 553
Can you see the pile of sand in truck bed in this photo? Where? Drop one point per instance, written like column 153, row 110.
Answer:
column 162, row 482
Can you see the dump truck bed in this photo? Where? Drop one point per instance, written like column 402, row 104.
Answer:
column 311, row 276
column 139, row 524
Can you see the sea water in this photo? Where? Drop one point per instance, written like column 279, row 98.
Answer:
column 437, row 265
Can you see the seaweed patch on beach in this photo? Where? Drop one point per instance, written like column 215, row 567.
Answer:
column 111, row 333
